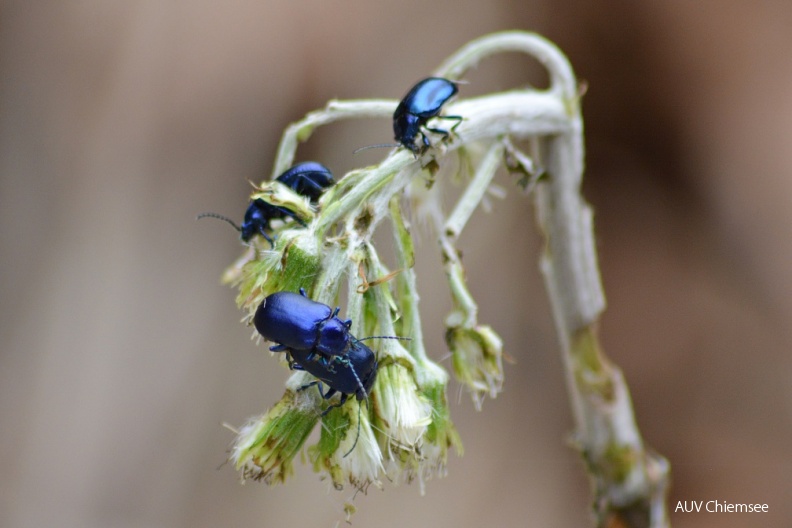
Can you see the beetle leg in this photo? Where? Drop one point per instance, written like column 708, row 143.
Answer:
column 341, row 402
column 341, row 360
column 445, row 133
column 308, row 183
column 267, row 237
column 425, row 139
column 311, row 384
column 325, row 396
column 291, row 214
column 455, row 117
column 326, row 362
column 329, row 366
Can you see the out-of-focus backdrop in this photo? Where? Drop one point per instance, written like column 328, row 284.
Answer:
column 121, row 354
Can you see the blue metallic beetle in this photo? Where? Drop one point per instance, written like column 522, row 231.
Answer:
column 295, row 322
column 423, row 102
column 309, row 179
column 351, row 374
column 317, row 341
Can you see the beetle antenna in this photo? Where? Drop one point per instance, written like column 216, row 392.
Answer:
column 358, row 431
column 379, row 145
column 219, row 217
column 365, row 395
column 386, row 337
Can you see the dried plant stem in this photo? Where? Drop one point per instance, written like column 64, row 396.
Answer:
column 630, row 481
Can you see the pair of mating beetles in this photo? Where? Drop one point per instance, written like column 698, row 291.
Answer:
column 317, row 341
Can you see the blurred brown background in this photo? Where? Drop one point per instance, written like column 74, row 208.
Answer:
column 122, row 354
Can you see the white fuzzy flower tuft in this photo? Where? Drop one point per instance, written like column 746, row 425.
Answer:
column 404, row 412
column 363, row 462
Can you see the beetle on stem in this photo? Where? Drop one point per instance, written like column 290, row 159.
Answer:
column 424, row 101
column 309, row 179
